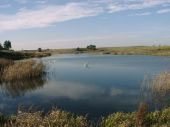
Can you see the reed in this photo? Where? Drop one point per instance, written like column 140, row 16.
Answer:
column 4, row 63
column 23, row 70
column 161, row 83
column 157, row 89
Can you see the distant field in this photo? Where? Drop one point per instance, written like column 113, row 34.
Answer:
column 137, row 50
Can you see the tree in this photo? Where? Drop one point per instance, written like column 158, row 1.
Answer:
column 92, row 47
column 1, row 47
column 7, row 45
column 39, row 50
column 78, row 49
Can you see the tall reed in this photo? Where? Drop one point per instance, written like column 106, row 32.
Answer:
column 157, row 89
column 23, row 70
column 4, row 63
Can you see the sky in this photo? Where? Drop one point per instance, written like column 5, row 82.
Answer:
column 30, row 24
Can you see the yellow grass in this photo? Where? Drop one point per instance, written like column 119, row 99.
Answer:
column 4, row 63
column 23, row 70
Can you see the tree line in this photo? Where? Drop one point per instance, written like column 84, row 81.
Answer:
column 6, row 46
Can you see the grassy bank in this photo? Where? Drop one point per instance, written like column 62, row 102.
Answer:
column 18, row 55
column 59, row 118
column 136, row 50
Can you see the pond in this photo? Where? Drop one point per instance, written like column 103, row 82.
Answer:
column 96, row 85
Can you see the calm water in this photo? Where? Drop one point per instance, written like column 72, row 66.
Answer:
column 84, row 84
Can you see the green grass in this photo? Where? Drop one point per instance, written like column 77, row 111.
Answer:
column 148, row 119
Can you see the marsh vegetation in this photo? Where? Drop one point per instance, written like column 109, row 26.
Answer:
column 20, row 70
column 59, row 118
column 157, row 88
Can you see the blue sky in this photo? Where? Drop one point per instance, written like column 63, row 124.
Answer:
column 30, row 24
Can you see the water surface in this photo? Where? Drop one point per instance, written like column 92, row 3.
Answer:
column 85, row 84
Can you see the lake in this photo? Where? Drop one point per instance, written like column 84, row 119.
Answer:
column 96, row 85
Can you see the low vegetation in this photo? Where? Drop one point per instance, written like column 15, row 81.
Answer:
column 55, row 118
column 59, row 118
column 19, row 55
column 139, row 119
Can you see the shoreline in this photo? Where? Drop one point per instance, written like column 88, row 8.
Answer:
column 136, row 50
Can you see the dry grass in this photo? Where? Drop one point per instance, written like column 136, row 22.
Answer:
column 55, row 118
column 4, row 63
column 59, row 118
column 23, row 70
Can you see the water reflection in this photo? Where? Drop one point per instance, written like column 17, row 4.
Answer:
column 20, row 88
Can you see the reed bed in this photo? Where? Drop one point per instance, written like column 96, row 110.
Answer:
column 157, row 89
column 4, row 63
column 161, row 84
column 23, row 70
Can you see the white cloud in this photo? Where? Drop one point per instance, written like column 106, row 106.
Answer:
column 135, row 4
column 44, row 17
column 163, row 11
column 47, row 15
column 141, row 14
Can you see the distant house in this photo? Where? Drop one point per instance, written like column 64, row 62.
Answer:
column 91, row 47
